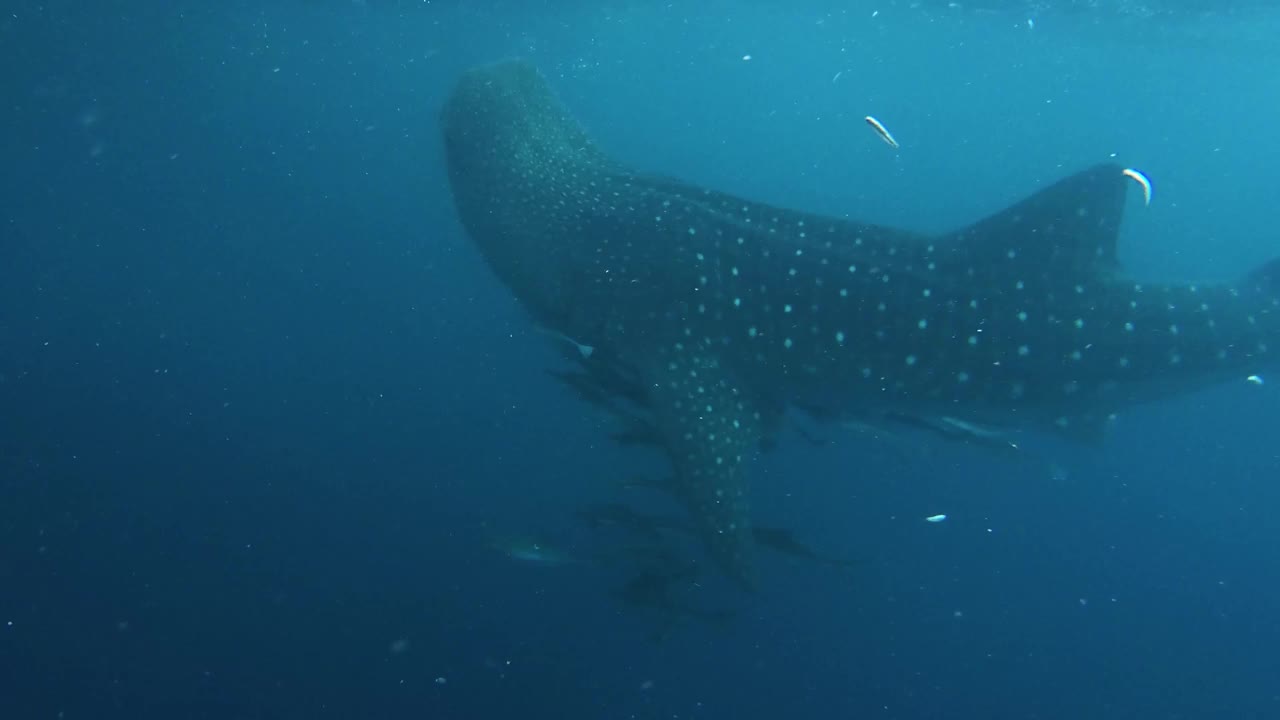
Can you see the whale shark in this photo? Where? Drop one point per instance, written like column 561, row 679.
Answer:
column 710, row 315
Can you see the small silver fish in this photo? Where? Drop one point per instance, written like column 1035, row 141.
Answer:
column 882, row 131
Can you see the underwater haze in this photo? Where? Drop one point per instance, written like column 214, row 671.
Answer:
column 276, row 442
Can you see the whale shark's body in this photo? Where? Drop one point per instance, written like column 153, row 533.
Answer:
column 714, row 313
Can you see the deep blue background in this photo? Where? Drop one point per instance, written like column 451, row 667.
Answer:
column 262, row 406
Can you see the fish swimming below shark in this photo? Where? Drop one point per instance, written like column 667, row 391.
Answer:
column 532, row 551
column 711, row 314
column 652, row 528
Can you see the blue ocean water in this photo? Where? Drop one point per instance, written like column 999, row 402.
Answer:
column 266, row 411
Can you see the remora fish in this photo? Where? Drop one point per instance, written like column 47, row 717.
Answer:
column 724, row 311
column 531, row 550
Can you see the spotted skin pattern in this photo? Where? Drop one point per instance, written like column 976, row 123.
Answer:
column 728, row 310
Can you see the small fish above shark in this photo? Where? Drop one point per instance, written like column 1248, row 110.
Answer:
column 714, row 314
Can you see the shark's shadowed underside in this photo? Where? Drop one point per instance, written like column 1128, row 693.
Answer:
column 711, row 314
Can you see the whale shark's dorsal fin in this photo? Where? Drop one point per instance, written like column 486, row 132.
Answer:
column 1065, row 233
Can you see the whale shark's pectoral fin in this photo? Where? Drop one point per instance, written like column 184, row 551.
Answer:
column 710, row 427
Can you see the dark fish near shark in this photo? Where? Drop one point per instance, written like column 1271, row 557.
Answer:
column 651, row 527
column 724, row 311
